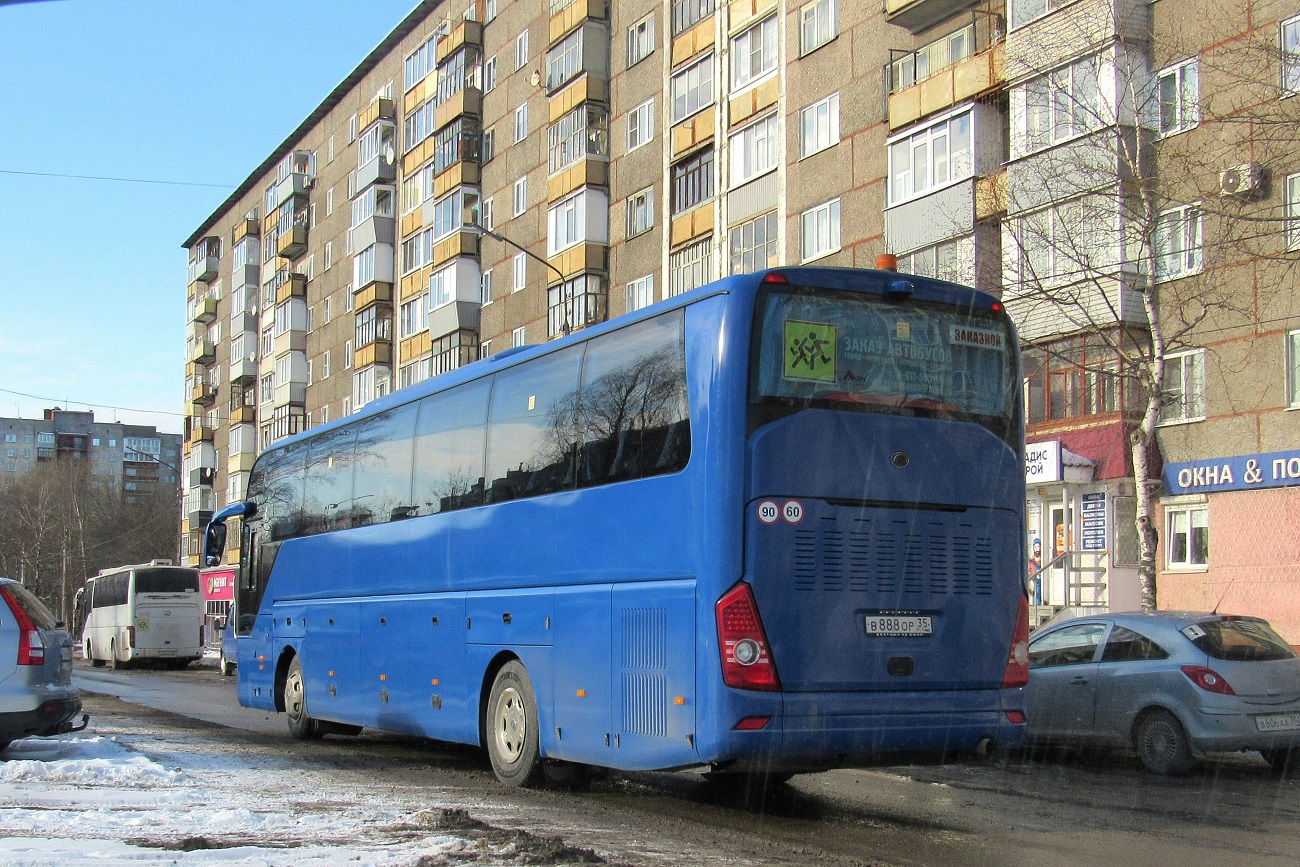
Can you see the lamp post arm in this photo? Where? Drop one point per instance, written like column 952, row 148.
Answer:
column 482, row 230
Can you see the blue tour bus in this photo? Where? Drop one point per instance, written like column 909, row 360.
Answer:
column 772, row 525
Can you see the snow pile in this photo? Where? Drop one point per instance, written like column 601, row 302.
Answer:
column 95, row 761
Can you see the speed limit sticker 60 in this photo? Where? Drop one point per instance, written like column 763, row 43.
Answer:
column 792, row 512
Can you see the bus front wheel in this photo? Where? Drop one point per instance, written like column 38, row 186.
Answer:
column 301, row 724
column 94, row 661
column 512, row 727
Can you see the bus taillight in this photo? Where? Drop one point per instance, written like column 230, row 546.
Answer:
column 746, row 662
column 1017, row 673
column 130, row 637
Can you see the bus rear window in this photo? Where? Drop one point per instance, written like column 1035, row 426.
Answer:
column 860, row 352
column 165, row 580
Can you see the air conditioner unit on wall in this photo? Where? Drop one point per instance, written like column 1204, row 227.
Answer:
column 1245, row 180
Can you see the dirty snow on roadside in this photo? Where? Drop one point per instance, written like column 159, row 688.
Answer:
column 95, row 800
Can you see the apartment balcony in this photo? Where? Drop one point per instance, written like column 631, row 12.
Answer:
column 464, row 243
column 246, row 275
column 965, row 80
column 289, row 285
column 243, row 414
column 289, row 394
column 240, row 462
column 692, row 224
column 991, row 196
column 920, row 15
column 415, row 346
column 243, row 370
column 584, row 88
column 293, row 340
column 754, row 100
column 374, row 292
column 463, row 173
column 203, row 269
column 456, row 316
column 199, row 517
column 205, row 311
column 467, row 100
column 699, row 39
column 690, row 134
column 204, row 352
column 567, row 17
column 583, row 257
column 293, row 184
column 379, row 109
column 374, row 230
column 412, row 222
column 246, row 323
column 293, row 242
column 575, row 304
column 200, row 434
column 202, row 477
column 381, row 169
column 244, row 228
column 378, row 352
column 587, row 172
column 464, row 33
column 203, row 394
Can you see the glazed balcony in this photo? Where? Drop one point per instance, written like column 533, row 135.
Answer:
column 966, row 79
column 205, row 311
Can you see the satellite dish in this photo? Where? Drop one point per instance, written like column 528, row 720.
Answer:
column 389, row 155
column 535, row 78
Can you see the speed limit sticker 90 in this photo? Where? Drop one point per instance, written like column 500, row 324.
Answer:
column 769, row 512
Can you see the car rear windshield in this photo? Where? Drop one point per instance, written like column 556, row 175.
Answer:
column 1238, row 640
column 861, row 352
column 166, row 580
column 41, row 616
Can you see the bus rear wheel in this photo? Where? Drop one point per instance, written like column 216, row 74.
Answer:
column 89, row 654
column 301, row 724
column 113, row 661
column 511, row 727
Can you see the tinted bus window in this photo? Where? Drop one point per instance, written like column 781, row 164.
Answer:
column 381, row 479
column 110, row 590
column 276, row 486
column 449, row 448
column 163, row 580
column 532, row 427
column 633, row 409
column 860, row 352
column 327, row 502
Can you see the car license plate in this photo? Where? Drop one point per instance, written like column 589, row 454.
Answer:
column 1278, row 722
column 899, row 625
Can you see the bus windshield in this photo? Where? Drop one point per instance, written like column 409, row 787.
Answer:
column 164, row 580
column 831, row 349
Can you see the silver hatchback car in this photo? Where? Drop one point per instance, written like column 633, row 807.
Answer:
column 1172, row 685
column 36, row 692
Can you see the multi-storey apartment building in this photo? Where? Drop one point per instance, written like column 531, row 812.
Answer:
column 495, row 174
column 133, row 461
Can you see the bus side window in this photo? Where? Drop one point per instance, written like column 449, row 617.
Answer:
column 381, row 474
column 449, row 444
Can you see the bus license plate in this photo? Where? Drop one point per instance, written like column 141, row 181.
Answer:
column 898, row 625
column 1278, row 722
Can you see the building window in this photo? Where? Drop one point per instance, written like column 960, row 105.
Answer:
column 487, row 214
column 485, row 287
column 693, row 88
column 576, row 302
column 931, row 158
column 485, row 349
column 1061, row 105
column 821, row 230
column 581, row 133
column 442, row 287
column 456, row 141
column 1068, row 379
column 640, row 212
column 1188, row 537
column 1293, row 368
column 819, row 22
column 753, row 54
column 640, row 40
column 641, row 124
column 755, row 150
column 1180, row 97
column 929, row 59
column 1292, row 194
column 521, row 50
column 521, row 123
column 819, row 125
column 688, row 13
column 949, row 260
column 414, row 316
column 489, row 148
column 564, row 61
column 581, row 218
column 517, row 337
column 690, row 267
column 752, row 245
column 520, row 272
column 347, row 360
column 1177, row 242
column 641, row 293
column 490, row 74
column 1024, row 11
column 521, row 196
column 1184, row 394
column 1290, row 39
column 329, row 255
column 692, row 181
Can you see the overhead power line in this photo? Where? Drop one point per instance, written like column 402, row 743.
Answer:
column 56, row 400
column 117, row 180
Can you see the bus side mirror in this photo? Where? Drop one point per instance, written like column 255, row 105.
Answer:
column 214, row 543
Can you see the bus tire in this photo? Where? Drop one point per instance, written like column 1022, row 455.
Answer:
column 511, row 728
column 95, row 662
column 226, row 667
column 301, row 724
column 113, row 662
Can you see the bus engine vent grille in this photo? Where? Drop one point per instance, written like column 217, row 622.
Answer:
column 934, row 559
column 644, row 664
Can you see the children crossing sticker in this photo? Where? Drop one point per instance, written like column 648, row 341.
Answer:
column 810, row 351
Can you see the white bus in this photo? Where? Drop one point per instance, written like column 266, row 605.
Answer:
column 150, row 612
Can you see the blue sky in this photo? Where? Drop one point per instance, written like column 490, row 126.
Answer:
column 92, row 273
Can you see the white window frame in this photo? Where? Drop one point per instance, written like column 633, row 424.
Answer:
column 641, row 125
column 819, row 126
column 1182, row 82
column 519, row 337
column 819, row 24
column 1186, row 224
column 521, row 50
column 640, row 212
column 641, row 40
column 520, row 200
column 1184, row 402
column 820, row 230
column 755, row 54
column 485, row 288
column 1057, row 106
column 928, row 142
column 640, row 293
column 692, row 89
column 521, row 123
column 520, row 274
column 1186, row 520
column 1291, row 195
column 1289, row 51
column 755, row 150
